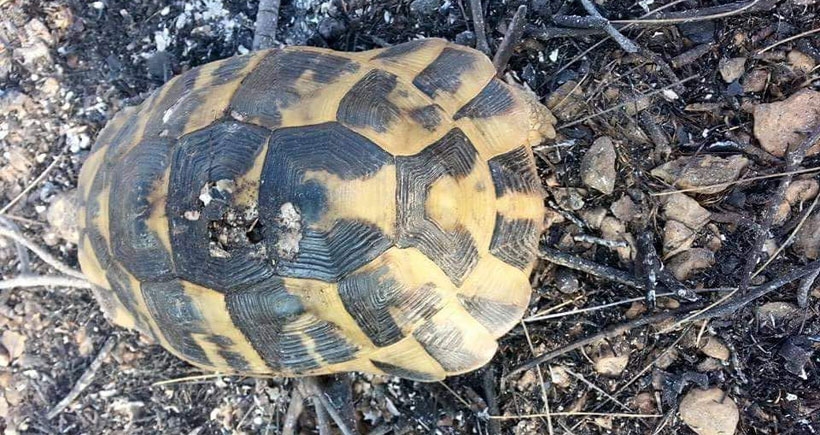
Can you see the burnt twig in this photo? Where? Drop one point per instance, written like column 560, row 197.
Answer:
column 267, row 19
column 608, row 333
column 480, row 28
column 85, row 380
column 590, row 267
column 623, row 41
column 511, row 39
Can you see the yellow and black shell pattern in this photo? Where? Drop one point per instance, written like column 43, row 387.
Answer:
column 302, row 211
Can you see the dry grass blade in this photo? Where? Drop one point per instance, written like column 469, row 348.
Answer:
column 187, row 379
column 31, row 185
column 576, row 414
column 40, row 252
column 743, row 7
column 43, row 281
column 791, row 237
column 789, row 39
column 742, row 180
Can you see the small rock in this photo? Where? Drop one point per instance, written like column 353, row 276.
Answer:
column 732, row 69
column 645, row 403
column 130, row 409
column 682, row 208
column 466, row 38
column 801, row 61
column 560, row 377
column 709, row 412
column 4, row 409
column 594, row 218
column 686, row 263
column 699, row 32
column 36, row 30
column 786, row 123
column 50, row 86
column 702, row 171
column 424, row 7
column 15, row 101
column 635, row 310
column 526, row 380
column 566, row 281
column 773, row 314
column 5, row 359
column 715, row 348
column 807, row 239
column 625, row 209
column 677, row 237
column 567, row 101
column 14, row 343
column 797, row 192
column 709, row 365
column 568, row 198
column 755, row 81
column 797, row 352
column 331, row 28
column 610, row 360
column 613, row 229
column 62, row 216
column 667, row 359
column 598, row 166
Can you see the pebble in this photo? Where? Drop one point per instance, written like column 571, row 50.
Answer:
column 709, row 412
column 466, row 38
column 645, row 403
column 783, row 124
column 613, row 229
column 560, row 377
column 611, row 365
column 709, row 365
column 800, row 61
column 331, row 28
column 732, row 69
column 62, row 216
column 424, row 7
column 755, row 80
column 566, row 281
column 702, row 171
column 798, row 191
column 685, row 264
column 14, row 343
column 5, row 359
column 715, row 348
column 635, row 310
column 773, row 314
column 569, row 198
column 598, row 166
column 676, row 237
column 567, row 102
column 807, row 240
column 625, row 209
column 684, row 209
column 5, row 61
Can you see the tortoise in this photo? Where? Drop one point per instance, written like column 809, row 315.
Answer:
column 302, row 211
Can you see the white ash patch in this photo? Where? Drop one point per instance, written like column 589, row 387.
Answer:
column 289, row 222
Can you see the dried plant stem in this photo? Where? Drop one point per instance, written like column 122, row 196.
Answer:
column 31, row 185
column 43, row 281
column 511, row 39
column 267, row 19
column 40, row 252
column 623, row 41
column 575, row 414
column 480, row 28
column 85, row 380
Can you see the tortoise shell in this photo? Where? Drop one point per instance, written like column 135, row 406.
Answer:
column 302, row 211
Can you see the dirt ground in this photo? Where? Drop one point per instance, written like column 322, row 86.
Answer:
column 696, row 91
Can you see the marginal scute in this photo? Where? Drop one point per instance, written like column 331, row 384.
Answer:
column 515, row 241
column 177, row 317
column 514, row 172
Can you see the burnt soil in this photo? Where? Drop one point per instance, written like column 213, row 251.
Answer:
column 97, row 57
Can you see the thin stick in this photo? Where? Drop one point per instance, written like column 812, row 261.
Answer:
column 789, row 39
column 34, row 183
column 575, row 414
column 480, row 28
column 608, row 333
column 267, row 19
column 85, row 380
column 625, row 103
column 22, row 253
column 705, row 14
column 313, row 389
column 511, row 39
column 295, row 407
column 187, row 379
column 622, row 40
column 322, row 419
column 44, row 281
column 544, row 396
column 40, row 252
column 590, row 267
column 742, row 180
column 538, row 317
